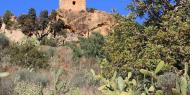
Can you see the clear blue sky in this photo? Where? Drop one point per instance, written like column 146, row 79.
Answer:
column 22, row 6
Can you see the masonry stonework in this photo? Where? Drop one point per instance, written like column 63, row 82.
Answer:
column 74, row 5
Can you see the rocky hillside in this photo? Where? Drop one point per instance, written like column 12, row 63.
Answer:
column 86, row 22
column 76, row 23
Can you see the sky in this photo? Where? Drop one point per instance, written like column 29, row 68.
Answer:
column 21, row 6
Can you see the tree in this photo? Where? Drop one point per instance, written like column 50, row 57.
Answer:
column 7, row 19
column 43, row 20
column 53, row 15
column 23, row 21
column 91, row 47
column 27, row 22
column 32, row 20
column 153, row 10
column 32, row 14
column 132, row 46
column 1, row 22
column 57, row 27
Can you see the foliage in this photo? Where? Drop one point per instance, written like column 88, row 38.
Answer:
column 77, row 52
column 88, row 47
column 118, row 85
column 7, row 19
column 32, row 14
column 91, row 47
column 28, row 55
column 49, row 41
column 26, row 88
column 43, row 20
column 27, row 22
column 4, row 41
column 6, row 84
column 153, row 74
column 57, row 27
column 153, row 10
column 32, row 77
column 1, row 22
column 164, row 84
column 53, row 15
column 59, row 86
column 82, row 79
column 139, row 46
column 123, row 47
column 147, row 50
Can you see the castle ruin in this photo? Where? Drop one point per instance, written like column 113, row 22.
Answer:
column 74, row 5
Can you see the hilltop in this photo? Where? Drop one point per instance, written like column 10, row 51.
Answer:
column 76, row 24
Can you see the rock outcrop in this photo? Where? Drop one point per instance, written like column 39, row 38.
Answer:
column 85, row 22
column 15, row 35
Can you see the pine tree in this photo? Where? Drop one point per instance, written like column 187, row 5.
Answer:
column 43, row 20
column 32, row 14
column 53, row 15
column 7, row 19
column 28, row 22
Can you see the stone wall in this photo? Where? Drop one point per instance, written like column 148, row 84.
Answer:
column 74, row 5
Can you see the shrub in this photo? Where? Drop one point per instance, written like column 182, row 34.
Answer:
column 4, row 41
column 4, row 57
column 77, row 52
column 82, row 79
column 7, row 86
column 28, row 55
column 166, row 82
column 91, row 10
column 91, row 47
column 32, row 77
column 88, row 47
column 59, row 86
column 49, row 41
column 26, row 88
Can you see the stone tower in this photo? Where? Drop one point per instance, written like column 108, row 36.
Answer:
column 74, row 5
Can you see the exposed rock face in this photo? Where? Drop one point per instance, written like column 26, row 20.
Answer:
column 13, row 35
column 84, row 22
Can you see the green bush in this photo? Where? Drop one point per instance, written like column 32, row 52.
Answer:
column 49, row 41
column 77, row 52
column 28, row 55
column 88, row 47
column 135, row 46
column 4, row 44
column 91, row 47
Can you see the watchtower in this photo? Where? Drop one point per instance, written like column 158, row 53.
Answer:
column 74, row 5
